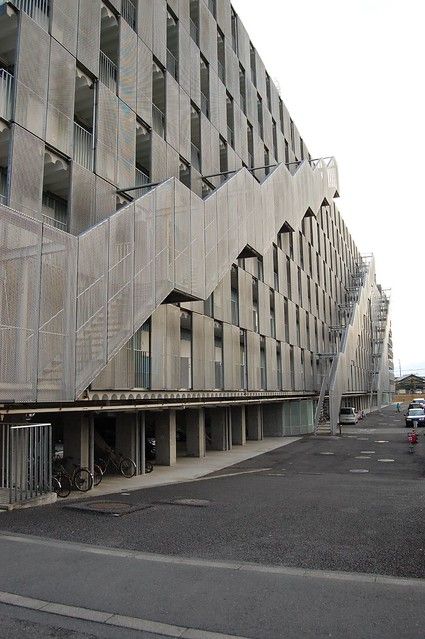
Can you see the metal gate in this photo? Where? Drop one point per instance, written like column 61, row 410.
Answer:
column 25, row 462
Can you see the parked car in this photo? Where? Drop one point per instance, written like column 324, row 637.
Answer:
column 419, row 400
column 415, row 415
column 348, row 415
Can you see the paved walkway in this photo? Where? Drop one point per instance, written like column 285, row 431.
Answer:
column 188, row 468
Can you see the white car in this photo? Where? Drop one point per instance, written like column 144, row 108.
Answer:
column 415, row 415
column 348, row 415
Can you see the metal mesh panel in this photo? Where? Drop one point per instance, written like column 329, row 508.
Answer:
column 145, row 21
column 127, row 69
column 106, row 145
column 120, row 278
column 197, row 246
column 222, row 231
column 83, row 184
column 160, row 30
column 57, row 315
column 172, row 112
column 164, row 240
column 105, row 199
column 159, row 158
column 210, row 244
column 184, row 144
column 20, row 254
column 88, row 43
column 60, row 110
column 144, row 259
column 144, row 82
column 91, row 304
column 126, row 145
column 26, row 177
column 31, row 76
column 64, row 23
column 182, row 237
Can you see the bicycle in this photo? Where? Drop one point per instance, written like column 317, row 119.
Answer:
column 123, row 465
column 61, row 485
column 80, row 478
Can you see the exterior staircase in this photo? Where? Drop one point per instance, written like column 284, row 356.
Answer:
column 81, row 298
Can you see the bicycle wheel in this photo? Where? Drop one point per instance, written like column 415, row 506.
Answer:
column 82, row 480
column 127, row 467
column 102, row 465
column 63, row 484
column 148, row 466
column 97, row 474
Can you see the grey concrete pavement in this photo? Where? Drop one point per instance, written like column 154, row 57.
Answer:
column 228, row 598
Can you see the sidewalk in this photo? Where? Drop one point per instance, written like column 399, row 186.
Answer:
column 187, row 468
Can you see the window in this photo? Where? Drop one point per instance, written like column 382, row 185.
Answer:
column 221, row 56
column 291, row 123
column 184, row 173
column 205, row 87
column 272, row 315
column 207, row 188
column 253, row 61
column 286, row 318
column 268, row 92
column 230, row 120
column 243, row 359
column 286, row 152
column 266, row 161
column 196, row 137
column 224, row 163
column 218, row 354
column 275, row 150
column 250, row 140
column 275, row 267
column 279, row 365
column 194, row 20
column 297, row 324
column 292, row 367
column 185, row 349
column 260, row 269
column 234, row 295
column 141, row 350
column 158, row 99
column 282, row 126
column 172, row 45
column 255, row 304
column 288, row 277
column 242, row 88
column 209, row 306
column 234, row 25
column 260, row 115
column 263, row 363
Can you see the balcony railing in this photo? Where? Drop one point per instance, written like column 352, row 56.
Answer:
column 108, row 72
column 205, row 105
column 140, row 179
column 6, row 94
column 83, row 147
column 55, row 212
column 196, row 157
column 129, row 13
column 158, row 121
column 194, row 31
column 142, row 369
column 172, row 64
column 38, row 10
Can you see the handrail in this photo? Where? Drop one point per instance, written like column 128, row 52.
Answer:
column 6, row 94
column 108, row 72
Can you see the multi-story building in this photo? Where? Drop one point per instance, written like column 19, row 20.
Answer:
column 173, row 263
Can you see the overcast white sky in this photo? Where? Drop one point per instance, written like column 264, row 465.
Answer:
column 351, row 74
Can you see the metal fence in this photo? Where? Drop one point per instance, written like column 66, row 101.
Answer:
column 158, row 121
column 83, row 147
column 6, row 94
column 38, row 10
column 108, row 72
column 26, row 462
column 129, row 13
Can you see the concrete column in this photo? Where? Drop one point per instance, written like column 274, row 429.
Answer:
column 238, row 425
column 273, row 420
column 78, row 438
column 220, row 429
column 127, row 436
column 254, row 422
column 165, row 436
column 195, row 432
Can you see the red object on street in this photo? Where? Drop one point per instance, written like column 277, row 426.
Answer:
column 413, row 438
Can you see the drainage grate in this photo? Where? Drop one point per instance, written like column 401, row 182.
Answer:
column 114, row 508
column 197, row 503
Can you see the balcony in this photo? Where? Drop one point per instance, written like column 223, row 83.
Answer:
column 38, row 10
column 6, row 94
column 83, row 147
column 129, row 13
column 108, row 72
column 196, row 157
column 218, row 375
column 172, row 65
column 230, row 136
column 221, row 71
column 158, row 121
column 55, row 211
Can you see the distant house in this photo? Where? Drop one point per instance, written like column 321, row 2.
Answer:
column 410, row 384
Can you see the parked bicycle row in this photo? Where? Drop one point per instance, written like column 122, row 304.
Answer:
column 68, row 476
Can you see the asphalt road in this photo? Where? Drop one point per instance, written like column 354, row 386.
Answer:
column 300, row 506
